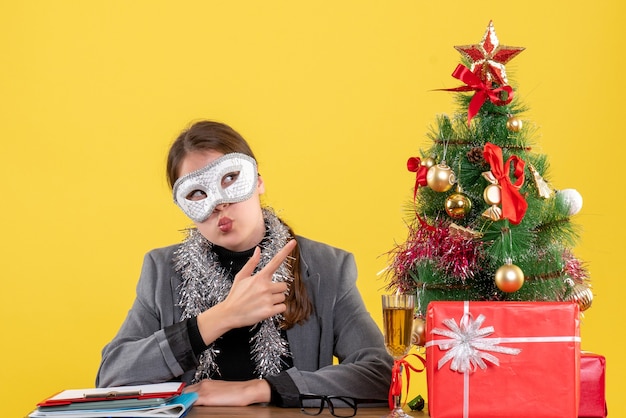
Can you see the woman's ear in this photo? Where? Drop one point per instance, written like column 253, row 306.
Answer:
column 260, row 185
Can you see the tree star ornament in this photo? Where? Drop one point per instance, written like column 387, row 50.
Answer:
column 488, row 57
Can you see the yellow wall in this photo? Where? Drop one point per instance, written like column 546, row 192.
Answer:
column 334, row 97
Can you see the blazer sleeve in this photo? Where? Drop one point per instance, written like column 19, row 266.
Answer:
column 347, row 332
column 152, row 345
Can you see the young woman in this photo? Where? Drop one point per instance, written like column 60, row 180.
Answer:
column 243, row 310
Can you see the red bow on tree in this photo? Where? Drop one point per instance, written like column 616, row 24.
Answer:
column 414, row 165
column 483, row 91
column 513, row 203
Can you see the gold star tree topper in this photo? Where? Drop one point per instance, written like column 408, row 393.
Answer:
column 488, row 57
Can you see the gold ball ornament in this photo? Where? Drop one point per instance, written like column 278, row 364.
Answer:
column 428, row 162
column 582, row 295
column 418, row 337
column 440, row 177
column 509, row 278
column 458, row 205
column 514, row 124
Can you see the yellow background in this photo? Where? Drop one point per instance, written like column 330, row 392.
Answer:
column 334, row 96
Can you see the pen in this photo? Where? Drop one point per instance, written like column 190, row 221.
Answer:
column 112, row 394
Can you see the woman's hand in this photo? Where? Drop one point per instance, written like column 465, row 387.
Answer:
column 255, row 298
column 226, row 393
column 252, row 298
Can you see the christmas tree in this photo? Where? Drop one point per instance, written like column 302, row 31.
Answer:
column 484, row 224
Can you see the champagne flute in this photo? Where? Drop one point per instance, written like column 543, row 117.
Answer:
column 398, row 311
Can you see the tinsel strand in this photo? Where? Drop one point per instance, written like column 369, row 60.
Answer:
column 206, row 283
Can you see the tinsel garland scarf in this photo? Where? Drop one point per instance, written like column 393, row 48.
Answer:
column 205, row 283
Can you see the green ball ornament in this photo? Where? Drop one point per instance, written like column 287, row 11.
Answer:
column 417, row 403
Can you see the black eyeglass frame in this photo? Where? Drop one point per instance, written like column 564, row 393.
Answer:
column 347, row 402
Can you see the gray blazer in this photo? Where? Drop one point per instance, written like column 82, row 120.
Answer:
column 340, row 326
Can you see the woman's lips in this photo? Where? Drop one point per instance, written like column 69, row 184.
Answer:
column 225, row 224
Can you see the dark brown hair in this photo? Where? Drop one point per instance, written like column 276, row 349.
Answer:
column 204, row 136
column 216, row 136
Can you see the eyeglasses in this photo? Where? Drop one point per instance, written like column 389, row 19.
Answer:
column 314, row 405
column 311, row 404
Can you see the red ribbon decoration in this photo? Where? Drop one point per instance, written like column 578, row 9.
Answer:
column 483, row 91
column 396, row 377
column 414, row 165
column 513, row 203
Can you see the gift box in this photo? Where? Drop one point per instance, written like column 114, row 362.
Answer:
column 503, row 359
column 592, row 390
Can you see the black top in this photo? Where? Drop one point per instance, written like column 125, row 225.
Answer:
column 234, row 357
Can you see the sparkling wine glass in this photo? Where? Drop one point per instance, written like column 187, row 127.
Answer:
column 398, row 310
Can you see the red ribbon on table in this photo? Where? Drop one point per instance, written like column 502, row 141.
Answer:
column 483, row 91
column 396, row 376
column 414, row 165
column 513, row 203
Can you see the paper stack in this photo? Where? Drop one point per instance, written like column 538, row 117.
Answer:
column 164, row 400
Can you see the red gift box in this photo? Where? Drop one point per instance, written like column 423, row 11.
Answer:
column 592, row 386
column 503, row 359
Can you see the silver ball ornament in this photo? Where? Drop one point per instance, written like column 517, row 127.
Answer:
column 572, row 200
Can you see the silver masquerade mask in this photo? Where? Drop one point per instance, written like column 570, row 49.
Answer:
column 229, row 179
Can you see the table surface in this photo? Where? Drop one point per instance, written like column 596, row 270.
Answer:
column 259, row 411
